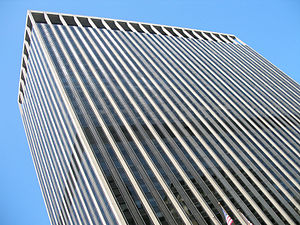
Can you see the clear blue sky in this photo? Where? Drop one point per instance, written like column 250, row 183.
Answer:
column 271, row 27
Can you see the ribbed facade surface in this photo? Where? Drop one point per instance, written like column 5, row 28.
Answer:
column 133, row 123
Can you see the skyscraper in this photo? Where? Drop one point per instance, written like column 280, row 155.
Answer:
column 135, row 123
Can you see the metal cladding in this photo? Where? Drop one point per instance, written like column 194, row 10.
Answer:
column 135, row 123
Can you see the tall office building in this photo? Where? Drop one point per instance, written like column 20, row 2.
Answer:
column 135, row 123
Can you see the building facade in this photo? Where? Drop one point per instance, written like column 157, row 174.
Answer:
column 135, row 123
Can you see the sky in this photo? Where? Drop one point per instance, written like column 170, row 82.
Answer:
column 271, row 27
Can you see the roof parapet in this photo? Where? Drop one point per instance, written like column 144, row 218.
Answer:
column 123, row 25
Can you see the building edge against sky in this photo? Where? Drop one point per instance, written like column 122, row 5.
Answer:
column 131, row 122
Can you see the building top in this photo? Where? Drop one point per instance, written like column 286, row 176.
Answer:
column 34, row 17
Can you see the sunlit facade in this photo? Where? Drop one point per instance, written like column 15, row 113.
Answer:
column 135, row 123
